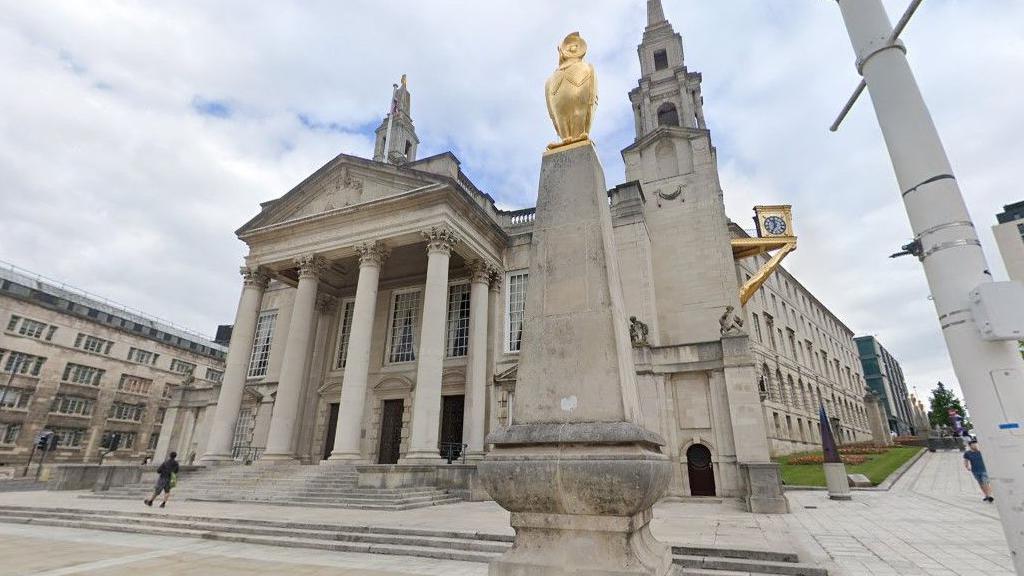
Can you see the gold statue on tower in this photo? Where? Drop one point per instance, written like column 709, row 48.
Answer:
column 571, row 93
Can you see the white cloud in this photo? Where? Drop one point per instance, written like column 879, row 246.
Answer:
column 111, row 179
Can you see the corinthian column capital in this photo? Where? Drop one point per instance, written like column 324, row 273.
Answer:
column 254, row 277
column 481, row 271
column 310, row 265
column 440, row 239
column 372, row 253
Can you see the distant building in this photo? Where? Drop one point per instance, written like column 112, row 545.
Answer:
column 885, row 378
column 88, row 370
column 1009, row 235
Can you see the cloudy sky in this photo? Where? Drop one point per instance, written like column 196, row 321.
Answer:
column 136, row 137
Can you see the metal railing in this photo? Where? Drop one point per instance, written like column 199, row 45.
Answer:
column 452, row 451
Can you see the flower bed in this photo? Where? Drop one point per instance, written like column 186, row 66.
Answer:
column 851, row 459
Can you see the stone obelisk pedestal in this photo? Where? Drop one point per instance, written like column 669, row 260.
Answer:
column 575, row 469
column 836, row 481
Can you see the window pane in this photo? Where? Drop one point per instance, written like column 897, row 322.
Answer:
column 516, row 306
column 344, row 330
column 260, row 356
column 458, row 321
column 403, row 327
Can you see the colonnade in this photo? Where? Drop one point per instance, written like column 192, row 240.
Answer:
column 426, row 406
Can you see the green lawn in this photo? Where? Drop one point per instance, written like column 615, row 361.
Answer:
column 877, row 468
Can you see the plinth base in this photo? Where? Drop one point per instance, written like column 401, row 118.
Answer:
column 836, row 481
column 562, row 544
column 580, row 497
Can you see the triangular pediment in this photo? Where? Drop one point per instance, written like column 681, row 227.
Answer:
column 343, row 182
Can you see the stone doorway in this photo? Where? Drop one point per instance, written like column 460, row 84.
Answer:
column 332, row 428
column 701, row 470
column 452, row 410
column 390, row 431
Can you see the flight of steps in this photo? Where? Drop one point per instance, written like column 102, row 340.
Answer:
column 326, row 485
column 419, row 542
column 21, row 485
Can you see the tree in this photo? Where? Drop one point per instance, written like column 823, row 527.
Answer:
column 943, row 399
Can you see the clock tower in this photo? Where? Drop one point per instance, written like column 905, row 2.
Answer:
column 693, row 271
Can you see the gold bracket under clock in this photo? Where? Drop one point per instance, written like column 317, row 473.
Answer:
column 774, row 232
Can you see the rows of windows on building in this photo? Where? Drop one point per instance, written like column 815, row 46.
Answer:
column 403, row 320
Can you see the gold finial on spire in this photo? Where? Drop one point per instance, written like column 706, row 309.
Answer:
column 571, row 93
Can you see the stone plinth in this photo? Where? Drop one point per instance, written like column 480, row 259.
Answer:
column 93, row 476
column 836, row 481
column 576, row 470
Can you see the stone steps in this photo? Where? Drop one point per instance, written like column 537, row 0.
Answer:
column 21, row 485
column 329, row 486
column 417, row 542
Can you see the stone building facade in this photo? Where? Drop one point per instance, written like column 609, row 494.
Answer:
column 884, row 377
column 805, row 357
column 87, row 369
column 381, row 312
column 1009, row 234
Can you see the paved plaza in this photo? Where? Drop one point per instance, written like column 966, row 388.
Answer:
column 932, row 521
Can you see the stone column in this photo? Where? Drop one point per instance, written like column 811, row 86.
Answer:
column 218, row 447
column 577, row 471
column 426, row 402
column 294, row 364
column 357, row 359
column 876, row 420
column 474, row 421
column 326, row 306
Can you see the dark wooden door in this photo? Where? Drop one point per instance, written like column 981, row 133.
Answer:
column 452, row 408
column 701, row 470
column 332, row 428
column 390, row 431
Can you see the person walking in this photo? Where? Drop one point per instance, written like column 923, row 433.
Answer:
column 974, row 463
column 168, row 472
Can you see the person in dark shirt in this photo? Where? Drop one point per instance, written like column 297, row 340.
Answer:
column 976, row 465
column 168, row 471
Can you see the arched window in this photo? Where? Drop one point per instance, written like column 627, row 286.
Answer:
column 668, row 115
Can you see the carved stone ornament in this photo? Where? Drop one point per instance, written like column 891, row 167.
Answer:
column 347, row 181
column 671, row 195
column 730, row 324
column 372, row 253
column 254, row 277
column 310, row 265
column 440, row 239
column 481, row 271
column 638, row 332
column 326, row 303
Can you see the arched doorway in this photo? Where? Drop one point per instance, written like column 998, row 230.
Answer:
column 701, row 471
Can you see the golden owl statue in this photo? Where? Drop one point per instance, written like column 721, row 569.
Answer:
column 571, row 93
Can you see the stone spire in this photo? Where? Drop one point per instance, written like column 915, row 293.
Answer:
column 401, row 140
column 655, row 13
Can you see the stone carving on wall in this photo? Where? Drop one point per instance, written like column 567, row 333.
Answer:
column 730, row 324
column 638, row 332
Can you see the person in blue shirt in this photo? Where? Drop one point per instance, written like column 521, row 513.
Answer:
column 976, row 465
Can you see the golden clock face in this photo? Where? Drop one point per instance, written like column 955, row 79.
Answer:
column 775, row 226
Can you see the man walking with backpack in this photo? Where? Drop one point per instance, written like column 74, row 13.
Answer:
column 168, row 472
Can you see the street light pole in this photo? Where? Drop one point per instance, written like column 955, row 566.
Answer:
column 991, row 373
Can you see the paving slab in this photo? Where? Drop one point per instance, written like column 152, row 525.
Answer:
column 931, row 521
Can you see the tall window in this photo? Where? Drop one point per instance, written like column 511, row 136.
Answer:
column 243, row 428
column 14, row 397
column 72, row 405
column 515, row 309
column 260, row 356
column 125, row 411
column 69, row 437
column 142, row 356
column 93, row 344
column 458, row 321
column 660, row 60
column 402, row 334
column 21, row 363
column 9, row 433
column 1020, row 228
column 134, row 384
column 154, row 439
column 757, row 327
column 79, row 374
column 31, row 328
column 668, row 115
column 182, row 367
column 344, row 331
